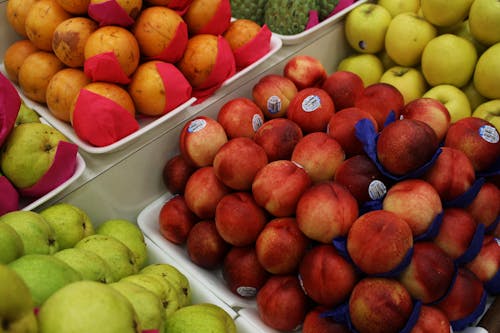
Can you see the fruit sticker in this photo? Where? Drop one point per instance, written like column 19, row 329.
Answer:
column 377, row 189
column 273, row 104
column 311, row 103
column 257, row 122
column 196, row 125
column 489, row 133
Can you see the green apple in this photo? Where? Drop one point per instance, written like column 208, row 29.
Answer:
column 36, row 233
column 70, row 223
column 408, row 80
column 87, row 263
column 445, row 13
column 406, row 38
column 200, row 318
column 129, row 234
column 367, row 66
column 490, row 111
column 147, row 304
column 453, row 98
column 487, row 73
column 44, row 274
column 396, row 7
column 475, row 98
column 87, row 306
column 16, row 303
column 116, row 254
column 448, row 59
column 11, row 244
column 29, row 152
column 174, row 276
column 26, row 115
column 484, row 16
column 365, row 27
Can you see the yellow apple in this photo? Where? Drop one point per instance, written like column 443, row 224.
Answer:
column 396, row 7
column 484, row 21
column 406, row 38
column 463, row 30
column 445, row 13
column 487, row 72
column 475, row 98
column 453, row 98
column 490, row 111
column 387, row 62
column 368, row 66
column 365, row 27
column 448, row 59
column 408, row 80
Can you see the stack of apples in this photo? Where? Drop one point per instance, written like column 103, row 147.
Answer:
column 336, row 204
column 449, row 51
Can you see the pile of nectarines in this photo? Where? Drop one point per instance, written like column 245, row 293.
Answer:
column 337, row 205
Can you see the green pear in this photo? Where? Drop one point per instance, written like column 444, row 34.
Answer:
column 117, row 255
column 87, row 263
column 161, row 287
column 87, row 306
column 11, row 244
column 44, row 274
column 200, row 318
column 26, row 115
column 129, row 234
column 69, row 222
column 175, row 277
column 147, row 304
column 29, row 152
column 37, row 235
column 16, row 302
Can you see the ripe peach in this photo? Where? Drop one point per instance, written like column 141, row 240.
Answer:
column 485, row 207
column 315, row 323
column 311, row 109
column 240, row 116
column 273, row 93
column 176, row 173
column 431, row 319
column 486, row 264
column 344, row 87
column 205, row 247
column 305, row 71
column 176, row 220
column 278, row 137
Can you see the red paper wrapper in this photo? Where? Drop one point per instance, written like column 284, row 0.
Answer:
column 343, row 4
column 105, row 67
column 177, row 88
column 174, row 51
column 9, row 197
column 180, row 6
column 254, row 49
column 313, row 19
column 224, row 68
column 62, row 169
column 100, row 121
column 109, row 13
column 220, row 21
column 10, row 102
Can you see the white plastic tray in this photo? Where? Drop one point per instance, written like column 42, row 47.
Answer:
column 212, row 279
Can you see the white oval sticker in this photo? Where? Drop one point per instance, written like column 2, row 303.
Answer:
column 311, row 103
column 197, row 125
column 489, row 133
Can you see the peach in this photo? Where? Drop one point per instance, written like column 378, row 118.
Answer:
column 487, row 262
column 428, row 263
column 405, row 145
column 431, row 320
column 240, row 116
column 311, row 109
column 176, row 220
column 325, row 211
column 326, row 276
column 281, row 302
column 451, row 174
column 380, row 99
column 305, row 71
column 380, row 305
column 281, row 246
column 415, row 201
column 341, row 127
column 273, row 93
column 278, row 186
column 200, row 139
column 205, row 247
column 319, row 154
column 278, row 137
column 379, row 242
column 175, row 173
column 237, row 162
column 477, row 138
column 238, row 218
column 315, row 323
column 344, row 87
column 432, row 112
column 485, row 207
column 203, row 192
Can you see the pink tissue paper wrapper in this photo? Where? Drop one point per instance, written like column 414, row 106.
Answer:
column 177, row 88
column 62, row 168
column 343, row 4
column 109, row 13
column 221, row 20
column 100, row 121
column 10, row 101
column 254, row 49
column 175, row 49
column 224, row 68
column 180, row 6
column 9, row 197
column 105, row 67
